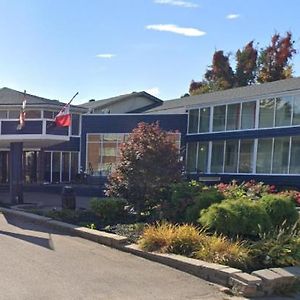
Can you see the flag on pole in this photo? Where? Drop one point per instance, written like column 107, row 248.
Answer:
column 22, row 113
column 63, row 118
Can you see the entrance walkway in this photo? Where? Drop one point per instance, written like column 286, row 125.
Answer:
column 41, row 264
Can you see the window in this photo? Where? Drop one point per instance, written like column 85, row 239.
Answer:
column 281, row 155
column 74, row 165
column 231, row 156
column 33, row 114
column 233, row 116
column 264, row 156
column 3, row 114
column 283, row 111
column 217, row 157
column 202, row 157
column 266, row 113
column 204, row 119
column 75, row 124
column 14, row 114
column 246, row 156
column 47, row 168
column 248, row 115
column 296, row 110
column 48, row 114
column 219, row 118
column 295, row 155
column 56, row 167
column 193, row 120
column 191, row 157
column 65, row 171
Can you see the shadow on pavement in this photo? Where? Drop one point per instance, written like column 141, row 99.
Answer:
column 26, row 225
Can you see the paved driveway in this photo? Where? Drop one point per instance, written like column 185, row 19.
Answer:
column 39, row 264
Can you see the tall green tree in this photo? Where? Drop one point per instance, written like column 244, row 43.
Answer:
column 149, row 162
column 246, row 65
column 274, row 60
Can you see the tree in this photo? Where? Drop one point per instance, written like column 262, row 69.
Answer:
column 274, row 60
column 149, row 163
column 246, row 65
column 220, row 74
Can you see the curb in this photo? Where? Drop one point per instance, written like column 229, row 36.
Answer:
column 257, row 284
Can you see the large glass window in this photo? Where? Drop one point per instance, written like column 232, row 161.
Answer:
column 296, row 110
column 217, row 157
column 191, row 157
column 233, row 116
column 295, row 155
column 204, row 119
column 248, row 115
column 202, row 157
column 219, row 118
column 283, row 111
column 246, row 156
column 266, row 113
column 264, row 156
column 74, row 165
column 56, row 167
column 281, row 155
column 193, row 120
column 3, row 114
column 65, row 170
column 231, row 156
column 47, row 167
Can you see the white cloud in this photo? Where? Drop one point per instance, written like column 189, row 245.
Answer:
column 106, row 55
column 187, row 31
column 153, row 91
column 232, row 16
column 177, row 3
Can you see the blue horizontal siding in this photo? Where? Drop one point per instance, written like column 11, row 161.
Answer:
column 31, row 127
column 245, row 134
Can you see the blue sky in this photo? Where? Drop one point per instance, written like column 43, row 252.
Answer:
column 105, row 48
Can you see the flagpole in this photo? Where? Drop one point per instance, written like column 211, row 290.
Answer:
column 73, row 98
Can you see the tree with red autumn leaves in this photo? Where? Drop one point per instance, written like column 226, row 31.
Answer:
column 272, row 63
column 274, row 60
column 149, row 162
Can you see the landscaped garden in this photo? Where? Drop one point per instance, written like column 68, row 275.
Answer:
column 248, row 225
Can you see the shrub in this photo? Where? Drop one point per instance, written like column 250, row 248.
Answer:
column 181, row 195
column 236, row 217
column 110, row 210
column 149, row 163
column 280, row 208
column 279, row 248
column 171, row 238
column 202, row 201
column 221, row 250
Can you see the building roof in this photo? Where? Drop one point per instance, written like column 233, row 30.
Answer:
column 12, row 97
column 251, row 91
column 106, row 102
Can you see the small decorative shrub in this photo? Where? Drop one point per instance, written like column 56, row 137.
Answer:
column 279, row 248
column 171, row 238
column 202, row 201
column 181, row 196
column 295, row 195
column 280, row 208
column 250, row 189
column 110, row 210
column 236, row 217
column 221, row 250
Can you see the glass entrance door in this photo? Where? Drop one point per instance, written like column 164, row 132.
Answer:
column 30, row 159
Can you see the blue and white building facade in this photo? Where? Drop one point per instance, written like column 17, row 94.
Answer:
column 244, row 133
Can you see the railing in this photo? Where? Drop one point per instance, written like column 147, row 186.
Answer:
column 44, row 127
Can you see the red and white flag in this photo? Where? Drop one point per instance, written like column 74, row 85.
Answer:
column 63, row 118
column 22, row 113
